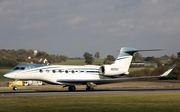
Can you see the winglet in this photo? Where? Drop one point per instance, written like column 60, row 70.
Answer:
column 167, row 72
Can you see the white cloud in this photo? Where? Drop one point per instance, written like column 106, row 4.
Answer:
column 104, row 24
column 75, row 21
column 37, row 24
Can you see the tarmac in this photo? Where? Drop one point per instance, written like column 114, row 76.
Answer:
column 36, row 93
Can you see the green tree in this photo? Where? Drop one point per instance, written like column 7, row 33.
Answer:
column 21, row 51
column 137, row 56
column 97, row 55
column 175, row 74
column 106, row 61
column 6, row 63
column 109, row 59
column 63, row 58
column 178, row 54
column 21, row 58
column 88, row 58
column 22, row 55
column 158, row 61
column 149, row 58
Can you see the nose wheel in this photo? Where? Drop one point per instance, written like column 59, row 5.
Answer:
column 14, row 88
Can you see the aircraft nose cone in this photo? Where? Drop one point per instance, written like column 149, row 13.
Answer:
column 7, row 75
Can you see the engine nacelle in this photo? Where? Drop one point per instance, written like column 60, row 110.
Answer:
column 111, row 70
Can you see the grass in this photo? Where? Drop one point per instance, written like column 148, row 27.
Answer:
column 97, row 103
column 2, row 72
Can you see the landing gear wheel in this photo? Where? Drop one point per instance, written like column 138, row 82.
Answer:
column 89, row 88
column 71, row 88
column 14, row 88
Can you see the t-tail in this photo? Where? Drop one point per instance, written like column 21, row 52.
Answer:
column 122, row 63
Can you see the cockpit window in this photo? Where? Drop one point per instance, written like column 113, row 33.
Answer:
column 16, row 68
column 19, row 68
column 22, row 68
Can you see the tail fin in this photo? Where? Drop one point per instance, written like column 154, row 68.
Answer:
column 125, row 57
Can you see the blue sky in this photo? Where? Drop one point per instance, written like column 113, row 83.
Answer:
column 72, row 27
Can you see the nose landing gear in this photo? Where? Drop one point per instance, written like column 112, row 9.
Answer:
column 15, row 87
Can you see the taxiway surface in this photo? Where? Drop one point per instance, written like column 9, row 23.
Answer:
column 34, row 93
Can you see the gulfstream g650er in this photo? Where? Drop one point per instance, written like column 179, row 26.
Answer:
column 88, row 75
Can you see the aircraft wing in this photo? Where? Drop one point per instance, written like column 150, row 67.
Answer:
column 112, row 80
column 102, row 81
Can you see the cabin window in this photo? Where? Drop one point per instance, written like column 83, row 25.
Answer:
column 60, row 71
column 41, row 70
column 54, row 71
column 66, row 71
column 72, row 71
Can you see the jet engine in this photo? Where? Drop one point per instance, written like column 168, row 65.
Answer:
column 111, row 70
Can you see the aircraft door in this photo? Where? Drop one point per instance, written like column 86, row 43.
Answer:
column 32, row 73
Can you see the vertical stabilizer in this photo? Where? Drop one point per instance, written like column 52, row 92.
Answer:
column 125, row 57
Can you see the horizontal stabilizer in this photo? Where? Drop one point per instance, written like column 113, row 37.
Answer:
column 130, row 51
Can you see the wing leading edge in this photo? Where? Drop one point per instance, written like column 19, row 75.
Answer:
column 112, row 80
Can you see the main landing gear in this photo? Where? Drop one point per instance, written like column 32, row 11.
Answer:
column 90, row 86
column 72, row 88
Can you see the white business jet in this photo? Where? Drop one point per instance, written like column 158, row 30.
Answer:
column 88, row 75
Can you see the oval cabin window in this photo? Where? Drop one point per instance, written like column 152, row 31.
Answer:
column 41, row 70
column 72, row 71
column 66, row 71
column 54, row 71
